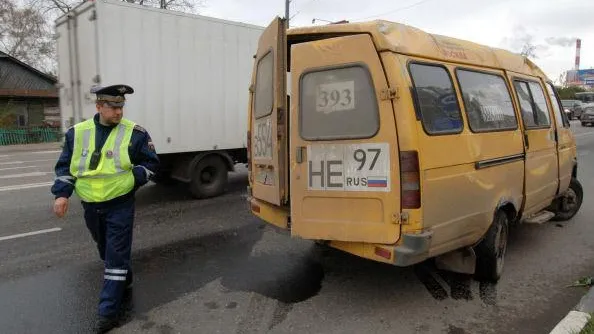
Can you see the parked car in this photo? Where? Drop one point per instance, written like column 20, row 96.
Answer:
column 587, row 117
column 573, row 108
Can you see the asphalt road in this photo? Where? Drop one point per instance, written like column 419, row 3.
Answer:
column 210, row 267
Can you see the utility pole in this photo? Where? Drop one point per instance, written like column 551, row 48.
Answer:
column 287, row 4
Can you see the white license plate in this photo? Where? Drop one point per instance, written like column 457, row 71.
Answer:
column 349, row 167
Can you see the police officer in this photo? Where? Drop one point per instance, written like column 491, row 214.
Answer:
column 105, row 160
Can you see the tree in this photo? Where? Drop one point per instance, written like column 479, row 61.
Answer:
column 25, row 35
column 529, row 50
column 568, row 93
column 55, row 8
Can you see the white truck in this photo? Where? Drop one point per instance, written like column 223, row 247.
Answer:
column 190, row 73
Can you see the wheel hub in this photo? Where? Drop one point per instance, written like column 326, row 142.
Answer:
column 207, row 175
column 569, row 201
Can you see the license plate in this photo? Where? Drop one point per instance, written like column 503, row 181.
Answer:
column 349, row 167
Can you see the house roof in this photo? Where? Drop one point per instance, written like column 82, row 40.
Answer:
column 29, row 67
column 18, row 79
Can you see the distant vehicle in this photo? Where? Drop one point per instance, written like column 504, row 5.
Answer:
column 585, row 97
column 573, row 108
column 587, row 117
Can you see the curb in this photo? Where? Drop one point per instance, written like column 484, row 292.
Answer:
column 31, row 147
column 577, row 318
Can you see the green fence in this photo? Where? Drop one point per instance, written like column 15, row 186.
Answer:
column 29, row 136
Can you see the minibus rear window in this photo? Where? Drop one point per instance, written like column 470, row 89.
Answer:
column 264, row 97
column 338, row 103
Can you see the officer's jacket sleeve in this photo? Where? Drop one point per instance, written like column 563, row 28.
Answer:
column 64, row 182
column 143, row 156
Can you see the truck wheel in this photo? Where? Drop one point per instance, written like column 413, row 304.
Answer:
column 209, row 178
column 490, row 252
column 566, row 206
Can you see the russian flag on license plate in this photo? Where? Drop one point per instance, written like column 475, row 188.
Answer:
column 377, row 182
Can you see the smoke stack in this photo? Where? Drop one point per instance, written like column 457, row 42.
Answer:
column 578, row 48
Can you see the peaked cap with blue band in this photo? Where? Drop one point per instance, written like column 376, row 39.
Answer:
column 112, row 95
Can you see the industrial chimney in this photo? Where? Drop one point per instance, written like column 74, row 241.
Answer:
column 578, row 48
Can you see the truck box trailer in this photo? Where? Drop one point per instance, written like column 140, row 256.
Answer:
column 190, row 73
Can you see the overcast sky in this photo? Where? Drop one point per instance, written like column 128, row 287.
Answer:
column 551, row 25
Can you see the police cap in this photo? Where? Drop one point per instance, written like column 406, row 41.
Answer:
column 112, row 95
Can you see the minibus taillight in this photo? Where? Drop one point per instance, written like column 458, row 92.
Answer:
column 410, row 180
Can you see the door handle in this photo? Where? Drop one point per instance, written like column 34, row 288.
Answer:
column 526, row 141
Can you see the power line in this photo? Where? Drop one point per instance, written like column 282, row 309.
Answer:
column 395, row 10
column 303, row 6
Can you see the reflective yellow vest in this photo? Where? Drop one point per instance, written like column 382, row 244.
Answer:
column 113, row 176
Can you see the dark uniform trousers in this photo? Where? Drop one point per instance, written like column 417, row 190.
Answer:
column 111, row 227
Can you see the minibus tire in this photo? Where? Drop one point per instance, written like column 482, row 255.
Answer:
column 576, row 193
column 490, row 252
column 217, row 172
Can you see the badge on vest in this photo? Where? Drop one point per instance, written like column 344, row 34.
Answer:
column 85, row 152
column 109, row 154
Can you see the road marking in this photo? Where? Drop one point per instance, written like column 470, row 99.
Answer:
column 24, row 162
column 15, row 236
column 20, row 167
column 44, row 152
column 24, row 175
column 584, row 134
column 26, row 186
column 4, row 156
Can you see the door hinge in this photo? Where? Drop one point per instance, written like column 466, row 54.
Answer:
column 299, row 154
column 389, row 94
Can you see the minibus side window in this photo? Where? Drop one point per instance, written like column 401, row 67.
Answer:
column 559, row 115
column 436, row 99
column 532, row 104
column 540, row 103
column 264, row 97
column 487, row 101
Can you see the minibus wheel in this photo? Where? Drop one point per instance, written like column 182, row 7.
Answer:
column 490, row 252
column 566, row 206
